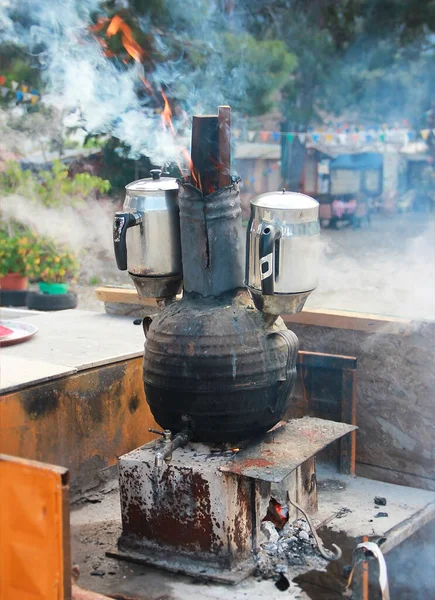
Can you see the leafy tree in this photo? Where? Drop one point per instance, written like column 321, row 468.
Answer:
column 367, row 60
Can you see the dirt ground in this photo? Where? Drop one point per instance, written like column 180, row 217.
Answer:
column 386, row 268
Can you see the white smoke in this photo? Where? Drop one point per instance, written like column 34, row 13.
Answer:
column 388, row 269
column 87, row 228
column 79, row 75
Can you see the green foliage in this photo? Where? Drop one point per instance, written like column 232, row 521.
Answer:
column 359, row 59
column 51, row 262
column 267, row 65
column 51, row 187
column 16, row 244
column 94, row 280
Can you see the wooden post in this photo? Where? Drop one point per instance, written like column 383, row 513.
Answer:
column 224, row 119
column 205, row 153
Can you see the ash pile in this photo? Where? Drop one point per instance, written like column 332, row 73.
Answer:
column 287, row 546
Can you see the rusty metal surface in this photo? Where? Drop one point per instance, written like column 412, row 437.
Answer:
column 212, row 240
column 34, row 546
column 84, row 421
column 282, row 450
column 186, row 515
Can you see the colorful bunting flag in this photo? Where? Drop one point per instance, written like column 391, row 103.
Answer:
column 19, row 96
column 251, row 135
column 302, row 137
column 2, row 79
column 264, row 135
column 24, row 88
column 34, row 99
column 290, row 137
column 14, row 85
column 275, row 136
column 425, row 133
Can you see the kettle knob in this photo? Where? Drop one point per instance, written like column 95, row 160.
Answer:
column 156, row 174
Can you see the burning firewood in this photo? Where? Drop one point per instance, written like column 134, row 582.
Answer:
column 211, row 151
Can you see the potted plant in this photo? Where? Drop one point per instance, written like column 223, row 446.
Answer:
column 15, row 245
column 53, row 267
column 13, row 251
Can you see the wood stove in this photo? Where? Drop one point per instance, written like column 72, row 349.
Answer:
column 218, row 372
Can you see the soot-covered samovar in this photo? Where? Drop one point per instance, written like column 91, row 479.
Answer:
column 219, row 361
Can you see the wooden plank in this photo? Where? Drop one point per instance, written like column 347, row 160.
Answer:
column 128, row 296
column 224, row 118
column 337, row 319
column 348, row 415
column 205, row 153
column 351, row 320
column 315, row 360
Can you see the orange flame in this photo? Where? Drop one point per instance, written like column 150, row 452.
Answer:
column 98, row 25
column 118, row 25
column 147, row 85
column 127, row 39
column 166, row 114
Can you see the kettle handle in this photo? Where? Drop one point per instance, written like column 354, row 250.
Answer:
column 268, row 236
column 121, row 223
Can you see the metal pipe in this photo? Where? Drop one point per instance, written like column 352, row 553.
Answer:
column 169, row 444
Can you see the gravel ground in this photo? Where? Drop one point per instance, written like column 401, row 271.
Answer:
column 387, row 269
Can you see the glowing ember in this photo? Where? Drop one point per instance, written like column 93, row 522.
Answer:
column 277, row 513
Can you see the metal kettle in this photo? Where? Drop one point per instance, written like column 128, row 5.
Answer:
column 146, row 236
column 282, row 251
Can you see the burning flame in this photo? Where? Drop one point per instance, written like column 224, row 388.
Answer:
column 118, row 25
column 166, row 114
column 127, row 39
column 147, row 85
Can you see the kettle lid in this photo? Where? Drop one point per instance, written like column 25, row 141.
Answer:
column 285, row 200
column 155, row 183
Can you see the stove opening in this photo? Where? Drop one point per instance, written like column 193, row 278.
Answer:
column 277, row 513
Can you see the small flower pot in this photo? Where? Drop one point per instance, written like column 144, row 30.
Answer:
column 53, row 289
column 13, row 281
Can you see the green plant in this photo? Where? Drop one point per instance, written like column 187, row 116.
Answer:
column 15, row 248
column 52, row 187
column 51, row 262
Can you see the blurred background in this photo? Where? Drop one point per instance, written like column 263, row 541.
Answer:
column 335, row 99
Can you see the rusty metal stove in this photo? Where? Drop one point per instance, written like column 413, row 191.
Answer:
column 201, row 513
column 218, row 368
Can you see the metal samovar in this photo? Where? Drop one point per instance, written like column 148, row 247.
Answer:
column 220, row 361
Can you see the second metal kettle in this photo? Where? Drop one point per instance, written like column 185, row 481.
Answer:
column 282, row 251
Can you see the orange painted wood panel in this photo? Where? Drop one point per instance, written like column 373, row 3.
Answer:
column 32, row 536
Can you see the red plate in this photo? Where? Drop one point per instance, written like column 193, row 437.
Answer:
column 20, row 332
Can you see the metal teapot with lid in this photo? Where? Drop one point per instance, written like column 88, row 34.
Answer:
column 146, row 236
column 282, row 251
